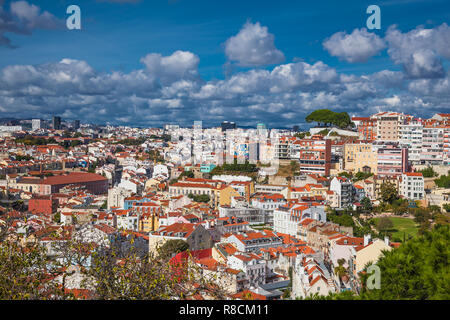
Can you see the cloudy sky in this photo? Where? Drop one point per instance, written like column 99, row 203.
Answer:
column 152, row 62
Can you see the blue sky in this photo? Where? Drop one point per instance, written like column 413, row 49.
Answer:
column 116, row 37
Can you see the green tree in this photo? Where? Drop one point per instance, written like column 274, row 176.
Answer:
column 384, row 224
column 113, row 272
column 340, row 270
column 367, row 204
column 389, row 192
column 57, row 217
column 428, row 172
column 443, row 181
column 172, row 247
column 418, row 269
column 328, row 117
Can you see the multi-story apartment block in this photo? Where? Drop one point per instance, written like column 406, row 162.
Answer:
column 388, row 124
column 345, row 190
column 367, row 128
column 314, row 155
column 282, row 148
column 410, row 136
column 433, row 144
column 412, row 186
column 446, row 159
column 392, row 160
column 36, row 124
column 251, row 264
column 286, row 219
column 253, row 241
column 360, row 157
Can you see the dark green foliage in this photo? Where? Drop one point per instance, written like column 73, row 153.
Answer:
column 384, row 224
column 417, row 269
column 164, row 137
column 199, row 197
column 367, row 204
column 302, row 135
column 31, row 141
column 362, row 176
column 23, row 158
column 389, row 192
column 132, row 142
column 187, row 174
column 328, row 117
column 57, row 217
column 172, row 247
column 428, row 172
column 443, row 181
column 345, row 174
column 343, row 219
column 234, row 167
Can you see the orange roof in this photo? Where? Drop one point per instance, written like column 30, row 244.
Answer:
column 74, row 177
column 185, row 229
column 414, row 174
column 248, row 295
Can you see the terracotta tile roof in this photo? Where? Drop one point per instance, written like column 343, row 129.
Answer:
column 248, row 295
column 75, row 177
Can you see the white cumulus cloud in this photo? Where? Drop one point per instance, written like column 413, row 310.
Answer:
column 253, row 46
column 358, row 46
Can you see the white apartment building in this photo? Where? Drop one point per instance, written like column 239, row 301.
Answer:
column 116, row 197
column 345, row 191
column 410, row 136
column 286, row 219
column 252, row 265
column 412, row 186
column 36, row 124
column 433, row 145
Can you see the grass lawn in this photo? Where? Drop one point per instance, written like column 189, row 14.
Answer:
column 401, row 225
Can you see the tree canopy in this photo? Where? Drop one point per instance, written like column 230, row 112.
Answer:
column 328, row 117
column 443, row 181
column 389, row 192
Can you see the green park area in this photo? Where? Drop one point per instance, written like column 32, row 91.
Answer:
column 399, row 228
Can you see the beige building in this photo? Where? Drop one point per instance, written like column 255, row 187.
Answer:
column 364, row 254
column 196, row 236
column 361, row 157
column 388, row 125
column 28, row 184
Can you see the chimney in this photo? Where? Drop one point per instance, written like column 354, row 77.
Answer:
column 366, row 239
column 386, row 240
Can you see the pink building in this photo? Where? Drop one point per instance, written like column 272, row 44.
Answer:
column 392, row 160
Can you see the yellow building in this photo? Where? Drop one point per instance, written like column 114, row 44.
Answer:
column 220, row 194
column 360, row 157
column 149, row 222
column 225, row 193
